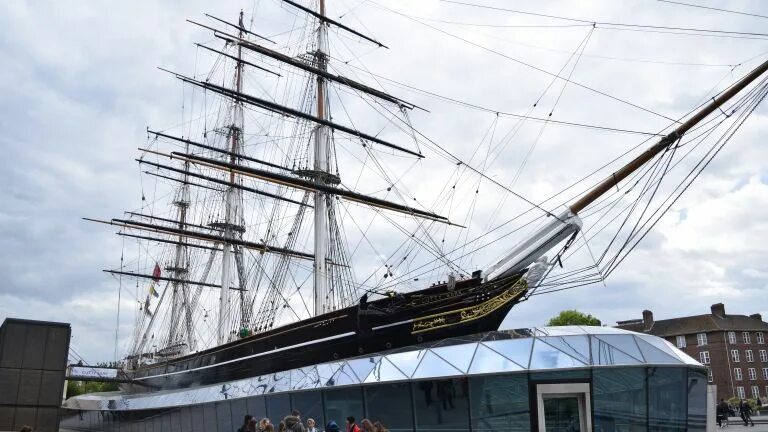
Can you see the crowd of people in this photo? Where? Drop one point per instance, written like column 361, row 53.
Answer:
column 294, row 423
column 725, row 410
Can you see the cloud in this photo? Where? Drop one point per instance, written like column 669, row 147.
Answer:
column 79, row 87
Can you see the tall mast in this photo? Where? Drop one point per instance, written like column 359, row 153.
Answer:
column 233, row 201
column 321, row 168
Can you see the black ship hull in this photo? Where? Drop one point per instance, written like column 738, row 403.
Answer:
column 469, row 307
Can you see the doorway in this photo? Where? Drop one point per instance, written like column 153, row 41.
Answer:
column 564, row 407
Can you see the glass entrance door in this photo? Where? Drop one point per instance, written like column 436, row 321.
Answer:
column 564, row 407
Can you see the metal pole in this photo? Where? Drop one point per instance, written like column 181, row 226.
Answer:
column 321, row 167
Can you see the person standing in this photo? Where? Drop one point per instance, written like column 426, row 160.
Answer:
column 351, row 425
column 246, row 421
column 380, row 427
column 722, row 412
column 746, row 412
column 331, row 427
column 293, row 422
column 311, row 425
column 367, row 426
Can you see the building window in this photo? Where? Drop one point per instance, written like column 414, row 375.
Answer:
column 681, row 341
column 752, row 374
column 745, row 336
column 704, row 357
column 755, row 392
column 731, row 337
column 760, row 339
column 710, row 376
column 737, row 374
column 702, row 339
column 735, row 356
column 740, row 393
column 765, row 373
column 750, row 357
column 764, row 356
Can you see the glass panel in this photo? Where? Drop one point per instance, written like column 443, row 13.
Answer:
column 575, row 346
column 345, row 376
column 385, row 371
column 487, row 360
column 624, row 343
column 697, row 400
column 654, row 355
column 238, row 409
column 561, row 414
column 209, row 417
column 517, row 350
column 406, row 361
column 198, row 425
column 500, row 403
column 663, row 345
column 343, row 402
column 186, row 419
column 363, row 366
column 559, row 331
column 546, row 357
column 433, row 366
column 278, row 406
column 256, row 406
column 619, row 399
column 310, row 404
column 441, row 404
column 667, row 399
column 224, row 416
column 582, row 374
column 605, row 354
column 459, row 356
column 326, row 371
column 390, row 404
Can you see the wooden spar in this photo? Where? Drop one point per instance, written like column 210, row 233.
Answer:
column 146, row 216
column 325, row 19
column 169, row 279
column 304, row 185
column 241, row 28
column 240, row 60
column 173, row 242
column 615, row 178
column 314, row 70
column 202, row 236
column 224, row 182
column 271, row 106
column 222, row 151
column 182, row 181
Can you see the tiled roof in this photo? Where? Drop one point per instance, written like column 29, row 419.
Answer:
column 699, row 324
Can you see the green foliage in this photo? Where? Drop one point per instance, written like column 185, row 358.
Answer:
column 573, row 317
column 75, row 388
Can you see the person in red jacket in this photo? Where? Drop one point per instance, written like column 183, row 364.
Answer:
column 351, row 426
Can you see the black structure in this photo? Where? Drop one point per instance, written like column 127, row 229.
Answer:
column 445, row 310
column 33, row 360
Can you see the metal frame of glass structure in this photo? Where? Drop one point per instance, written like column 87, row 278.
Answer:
column 483, row 382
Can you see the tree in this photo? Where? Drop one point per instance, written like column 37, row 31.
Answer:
column 573, row 317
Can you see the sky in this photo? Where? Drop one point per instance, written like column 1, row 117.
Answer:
column 79, row 86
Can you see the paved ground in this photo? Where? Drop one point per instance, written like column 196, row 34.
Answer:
column 736, row 424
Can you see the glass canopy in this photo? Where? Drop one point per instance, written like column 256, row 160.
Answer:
column 506, row 351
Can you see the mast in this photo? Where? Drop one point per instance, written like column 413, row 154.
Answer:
column 321, row 169
column 568, row 223
column 232, row 203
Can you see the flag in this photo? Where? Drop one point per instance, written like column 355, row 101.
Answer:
column 152, row 289
column 156, row 273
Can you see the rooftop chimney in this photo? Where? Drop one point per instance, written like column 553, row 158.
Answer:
column 718, row 310
column 757, row 315
column 648, row 319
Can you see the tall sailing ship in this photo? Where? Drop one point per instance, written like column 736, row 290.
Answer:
column 229, row 289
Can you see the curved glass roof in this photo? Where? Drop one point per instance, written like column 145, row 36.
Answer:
column 506, row 351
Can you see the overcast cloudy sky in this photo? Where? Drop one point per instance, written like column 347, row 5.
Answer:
column 78, row 86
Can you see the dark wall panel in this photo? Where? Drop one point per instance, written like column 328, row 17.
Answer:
column 209, row 417
column 34, row 347
column 50, row 381
column 6, row 417
column 13, row 339
column 9, row 386
column 224, row 416
column 47, row 419
column 56, row 348
column 24, row 416
column 29, row 387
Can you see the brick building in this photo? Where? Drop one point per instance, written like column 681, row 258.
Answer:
column 733, row 346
